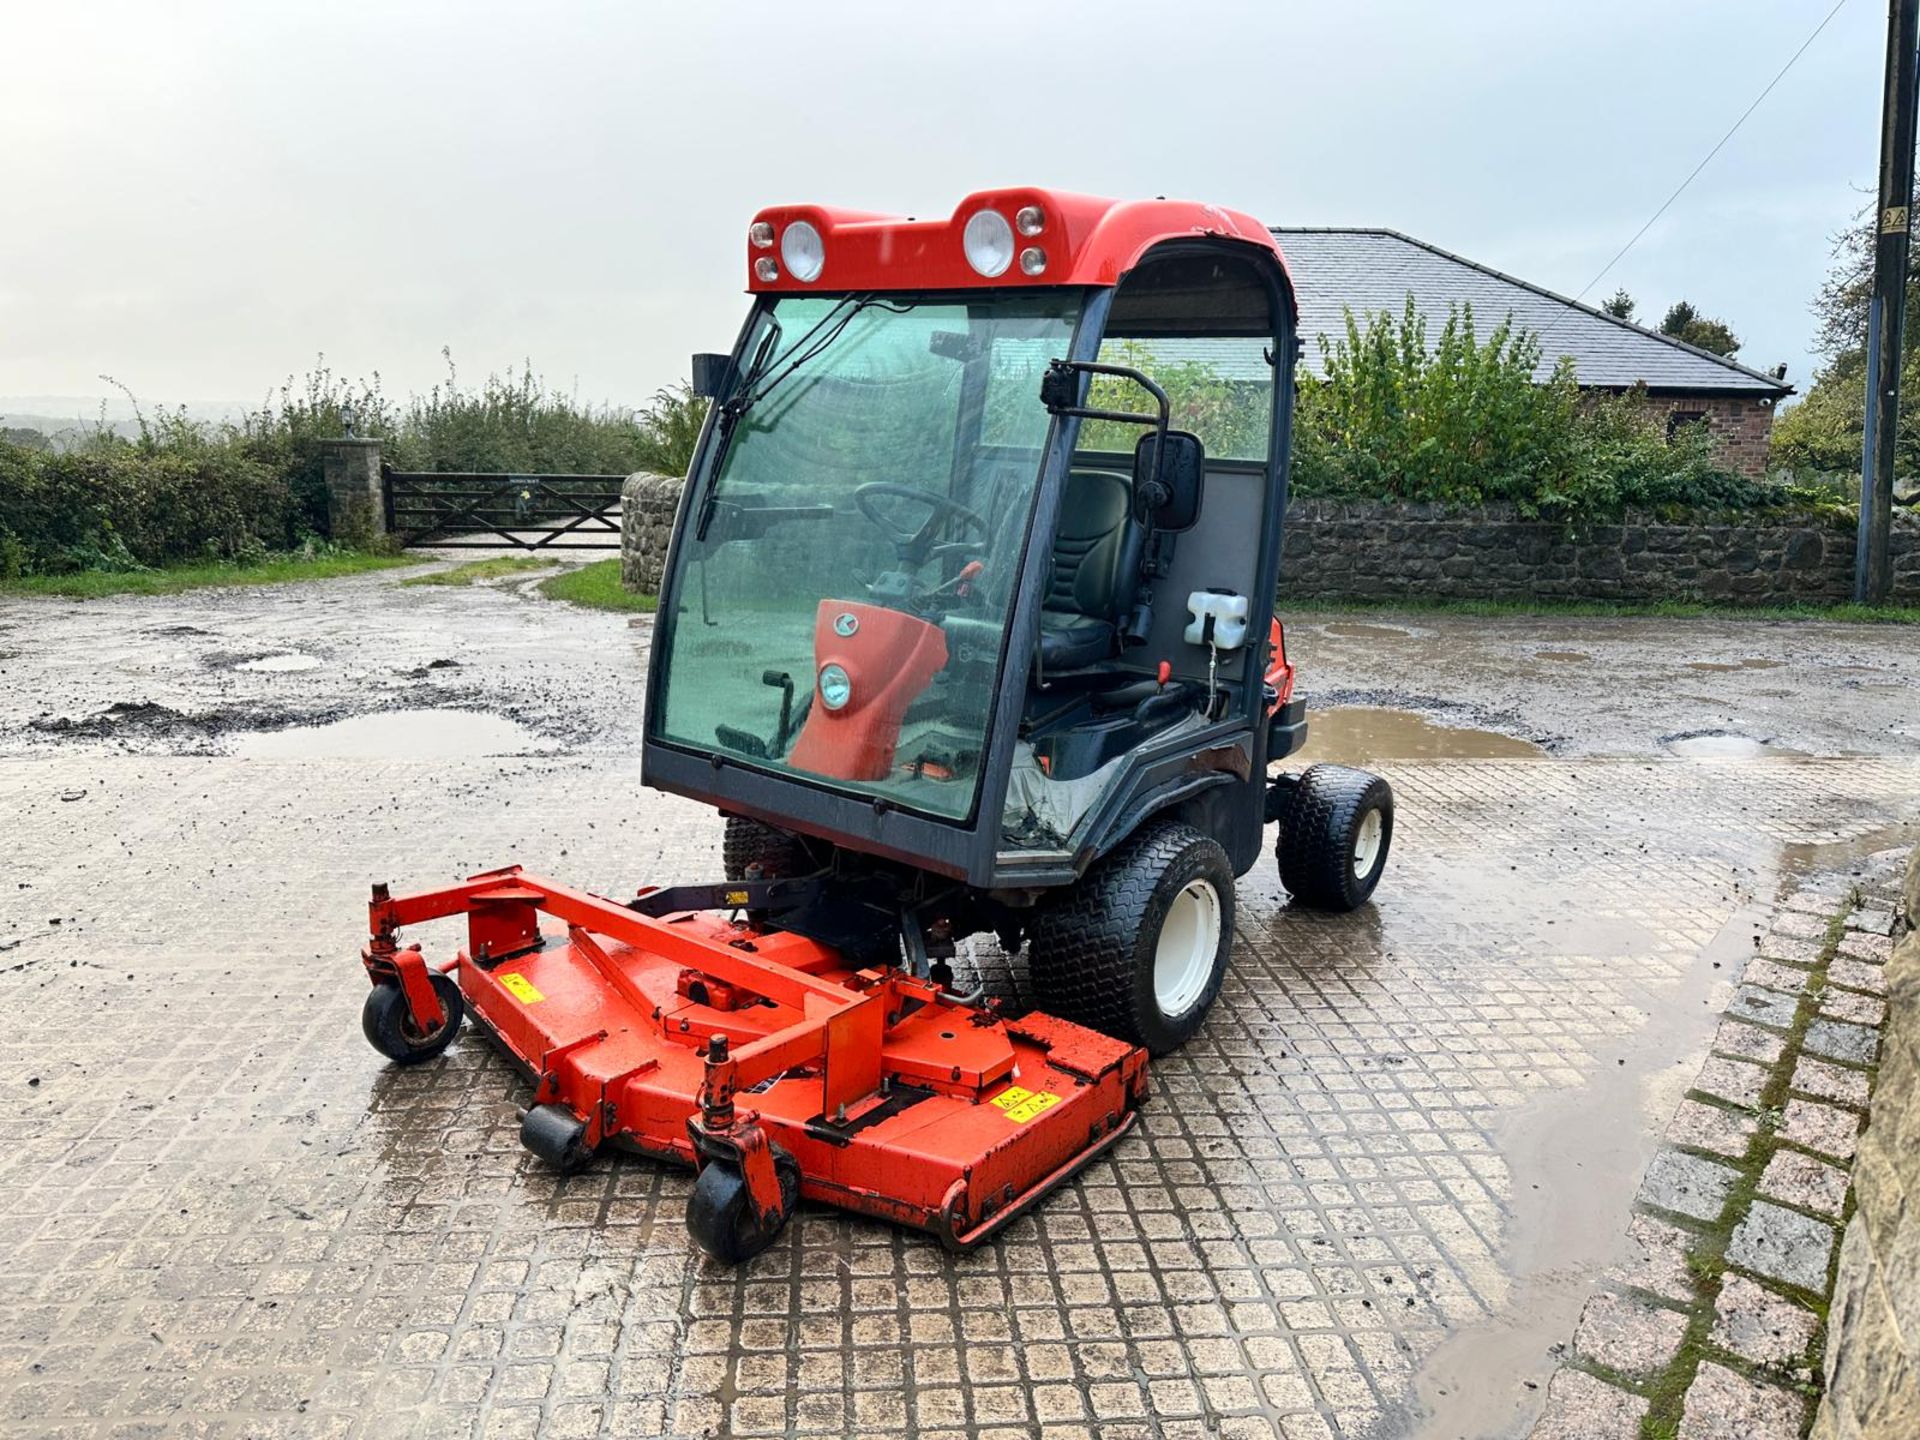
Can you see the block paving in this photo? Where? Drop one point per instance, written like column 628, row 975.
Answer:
column 222, row 1215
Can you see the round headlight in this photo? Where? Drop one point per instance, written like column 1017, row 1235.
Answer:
column 766, row 269
column 988, row 241
column 760, row 235
column 1033, row 260
column 835, row 688
column 1030, row 219
column 803, row 250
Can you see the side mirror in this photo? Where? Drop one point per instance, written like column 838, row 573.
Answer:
column 712, row 375
column 1176, row 482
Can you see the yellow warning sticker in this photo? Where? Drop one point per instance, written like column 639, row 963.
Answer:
column 737, row 897
column 521, row 988
column 1022, row 1105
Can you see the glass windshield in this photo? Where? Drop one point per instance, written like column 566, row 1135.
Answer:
column 844, row 584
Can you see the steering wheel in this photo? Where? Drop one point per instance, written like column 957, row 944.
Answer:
column 913, row 544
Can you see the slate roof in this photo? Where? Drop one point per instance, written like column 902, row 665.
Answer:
column 1368, row 271
column 1373, row 270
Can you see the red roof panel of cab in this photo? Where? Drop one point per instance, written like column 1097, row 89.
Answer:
column 1086, row 240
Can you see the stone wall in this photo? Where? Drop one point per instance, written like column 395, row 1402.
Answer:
column 1368, row 550
column 647, row 504
column 1873, row 1327
column 1363, row 550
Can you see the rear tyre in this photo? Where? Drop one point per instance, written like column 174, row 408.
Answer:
column 720, row 1213
column 389, row 1027
column 779, row 855
column 1335, row 836
column 1137, row 949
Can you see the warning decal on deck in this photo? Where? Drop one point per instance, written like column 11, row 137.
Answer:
column 521, row 988
column 1022, row 1105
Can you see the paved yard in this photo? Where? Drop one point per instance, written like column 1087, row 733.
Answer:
column 1371, row 1199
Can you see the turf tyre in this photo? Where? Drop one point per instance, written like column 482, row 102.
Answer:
column 779, row 855
column 1095, row 953
column 1331, row 854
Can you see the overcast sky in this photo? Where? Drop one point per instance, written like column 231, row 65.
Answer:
column 201, row 198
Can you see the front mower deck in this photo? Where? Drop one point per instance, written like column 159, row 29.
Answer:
column 718, row 1042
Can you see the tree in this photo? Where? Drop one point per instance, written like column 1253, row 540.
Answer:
column 1825, row 432
column 1685, row 323
column 1621, row 306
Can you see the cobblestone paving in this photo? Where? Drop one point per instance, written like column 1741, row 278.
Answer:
column 222, row 1215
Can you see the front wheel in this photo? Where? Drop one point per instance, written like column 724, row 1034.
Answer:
column 1138, row 949
column 388, row 1024
column 1334, row 837
column 720, row 1213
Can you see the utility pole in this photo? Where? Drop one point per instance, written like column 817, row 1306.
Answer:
column 1886, row 320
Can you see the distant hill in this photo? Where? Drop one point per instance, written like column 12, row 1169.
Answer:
column 62, row 418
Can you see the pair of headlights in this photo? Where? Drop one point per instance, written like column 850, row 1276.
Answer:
column 988, row 241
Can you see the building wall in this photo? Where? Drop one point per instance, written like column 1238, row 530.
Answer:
column 1741, row 428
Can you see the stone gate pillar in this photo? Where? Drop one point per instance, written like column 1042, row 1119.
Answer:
column 356, row 495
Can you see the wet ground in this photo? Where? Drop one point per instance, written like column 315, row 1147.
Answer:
column 1369, row 1200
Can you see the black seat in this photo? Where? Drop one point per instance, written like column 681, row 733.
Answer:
column 1077, row 619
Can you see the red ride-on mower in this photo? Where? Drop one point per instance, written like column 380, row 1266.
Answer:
column 963, row 634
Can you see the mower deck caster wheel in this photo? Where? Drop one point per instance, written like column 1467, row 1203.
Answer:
column 389, row 1028
column 557, row 1136
column 720, row 1213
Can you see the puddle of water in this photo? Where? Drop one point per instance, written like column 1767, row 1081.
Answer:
column 1727, row 747
column 1354, row 630
column 394, row 735
column 1570, row 657
column 1360, row 735
column 1752, row 662
column 292, row 660
column 1575, row 1157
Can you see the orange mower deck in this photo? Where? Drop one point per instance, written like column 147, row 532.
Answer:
column 711, row 1041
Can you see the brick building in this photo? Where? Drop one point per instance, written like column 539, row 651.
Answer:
column 1368, row 271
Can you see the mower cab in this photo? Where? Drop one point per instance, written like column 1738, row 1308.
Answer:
column 967, row 626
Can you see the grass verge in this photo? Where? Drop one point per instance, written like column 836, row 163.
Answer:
column 476, row 571
column 274, row 570
column 1663, row 609
column 597, row 587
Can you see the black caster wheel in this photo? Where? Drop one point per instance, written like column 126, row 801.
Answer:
column 720, row 1214
column 558, row 1137
column 390, row 1029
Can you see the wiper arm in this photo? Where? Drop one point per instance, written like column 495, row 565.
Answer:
column 751, row 390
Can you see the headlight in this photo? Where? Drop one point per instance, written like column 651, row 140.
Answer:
column 988, row 241
column 835, row 688
column 1033, row 260
column 766, row 270
column 803, row 250
column 760, row 235
column 1031, row 219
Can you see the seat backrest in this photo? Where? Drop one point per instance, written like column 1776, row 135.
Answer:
column 1087, row 544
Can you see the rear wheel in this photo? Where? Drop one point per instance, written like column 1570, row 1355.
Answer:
column 1138, row 948
column 1335, row 836
column 779, row 855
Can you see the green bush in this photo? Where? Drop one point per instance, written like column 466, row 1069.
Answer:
column 186, row 490
column 1463, row 422
column 122, row 506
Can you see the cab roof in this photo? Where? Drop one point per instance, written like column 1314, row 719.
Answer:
column 1083, row 240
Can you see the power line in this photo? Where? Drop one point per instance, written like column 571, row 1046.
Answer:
column 1745, row 116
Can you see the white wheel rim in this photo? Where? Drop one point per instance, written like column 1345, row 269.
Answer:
column 1366, row 844
column 1183, row 955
